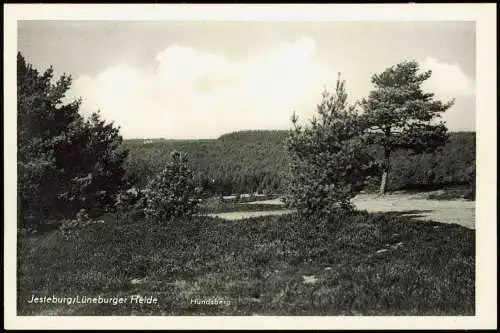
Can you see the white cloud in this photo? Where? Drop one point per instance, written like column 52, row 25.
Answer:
column 447, row 80
column 196, row 94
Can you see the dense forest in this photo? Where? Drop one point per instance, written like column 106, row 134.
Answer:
column 255, row 161
column 240, row 162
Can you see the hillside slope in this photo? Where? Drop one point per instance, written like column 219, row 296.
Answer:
column 249, row 161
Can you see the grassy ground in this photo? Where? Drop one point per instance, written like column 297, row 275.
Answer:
column 362, row 264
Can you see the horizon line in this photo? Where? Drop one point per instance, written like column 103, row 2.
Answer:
column 243, row 131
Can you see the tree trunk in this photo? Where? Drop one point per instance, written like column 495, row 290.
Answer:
column 385, row 175
column 383, row 183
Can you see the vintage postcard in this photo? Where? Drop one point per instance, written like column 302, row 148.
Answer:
column 250, row 166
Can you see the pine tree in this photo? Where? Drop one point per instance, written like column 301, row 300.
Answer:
column 329, row 162
column 65, row 162
column 400, row 115
column 172, row 193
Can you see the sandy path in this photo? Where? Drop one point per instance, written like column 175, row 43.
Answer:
column 266, row 202
column 446, row 211
column 415, row 205
column 244, row 215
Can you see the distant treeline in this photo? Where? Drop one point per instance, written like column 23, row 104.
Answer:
column 255, row 161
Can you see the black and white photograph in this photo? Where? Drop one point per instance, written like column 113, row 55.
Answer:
column 174, row 164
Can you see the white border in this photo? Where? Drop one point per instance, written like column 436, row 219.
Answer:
column 486, row 285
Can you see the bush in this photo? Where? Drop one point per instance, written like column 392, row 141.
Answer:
column 329, row 161
column 471, row 181
column 130, row 204
column 71, row 228
column 172, row 193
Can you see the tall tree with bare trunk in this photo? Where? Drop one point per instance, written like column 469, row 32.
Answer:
column 398, row 114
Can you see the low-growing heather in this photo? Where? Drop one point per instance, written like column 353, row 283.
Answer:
column 359, row 264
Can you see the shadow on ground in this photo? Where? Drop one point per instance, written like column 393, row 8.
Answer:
column 414, row 215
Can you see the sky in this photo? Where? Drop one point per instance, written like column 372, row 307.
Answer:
column 201, row 79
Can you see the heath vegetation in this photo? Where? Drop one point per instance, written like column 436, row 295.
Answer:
column 102, row 216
